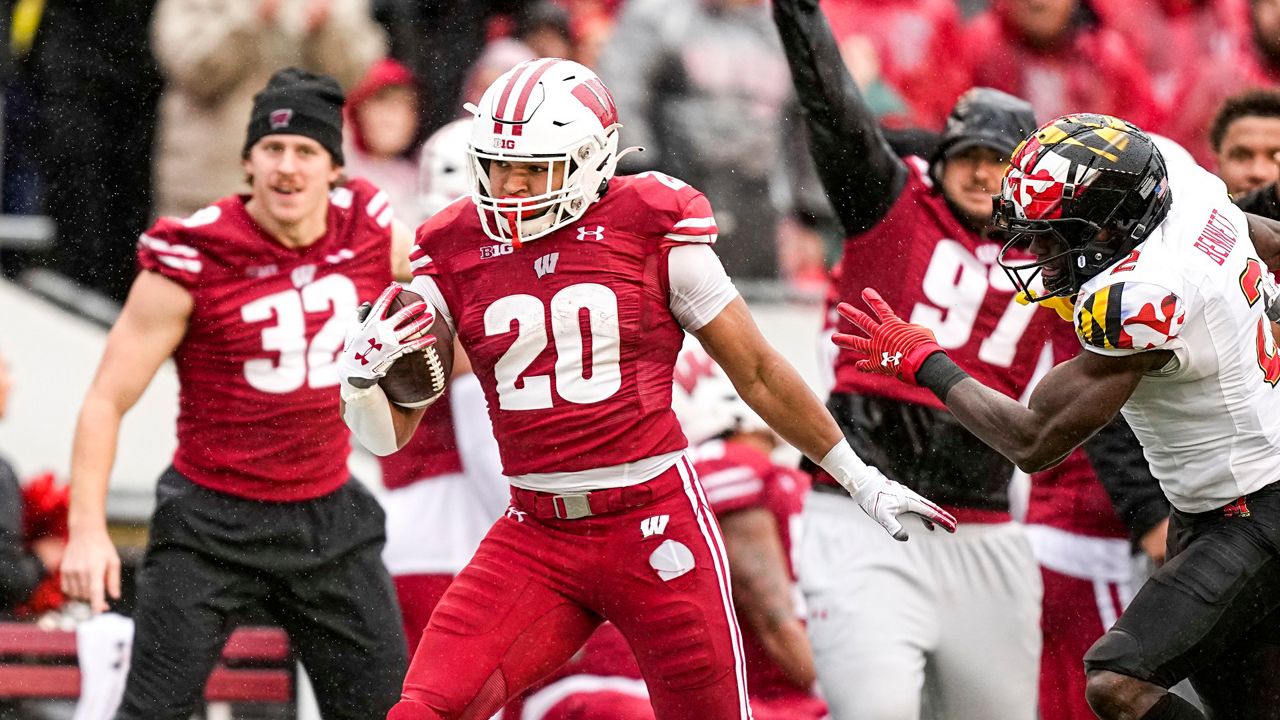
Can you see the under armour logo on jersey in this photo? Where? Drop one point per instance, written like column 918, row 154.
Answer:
column 596, row 233
column 888, row 360
column 303, row 275
column 514, row 514
column 655, row 525
column 364, row 357
column 280, row 118
column 546, row 264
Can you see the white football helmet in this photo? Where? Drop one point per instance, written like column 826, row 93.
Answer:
column 549, row 111
column 442, row 167
column 704, row 399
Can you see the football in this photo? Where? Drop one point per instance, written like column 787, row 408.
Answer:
column 418, row 379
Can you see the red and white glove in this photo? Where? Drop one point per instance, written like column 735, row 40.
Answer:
column 892, row 346
column 374, row 341
column 878, row 496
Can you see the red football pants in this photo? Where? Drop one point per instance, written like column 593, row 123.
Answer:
column 537, row 588
column 418, row 596
column 1074, row 615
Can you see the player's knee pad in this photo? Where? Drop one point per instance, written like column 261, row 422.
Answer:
column 1119, row 652
column 447, row 703
column 477, row 601
column 686, row 654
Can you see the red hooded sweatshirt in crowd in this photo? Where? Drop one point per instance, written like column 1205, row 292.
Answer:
column 1090, row 69
column 1195, row 51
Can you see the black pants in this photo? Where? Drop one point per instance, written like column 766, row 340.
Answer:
column 315, row 566
column 1211, row 613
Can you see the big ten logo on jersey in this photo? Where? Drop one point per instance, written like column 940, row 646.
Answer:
column 956, row 285
column 587, row 354
column 493, row 251
column 299, row 359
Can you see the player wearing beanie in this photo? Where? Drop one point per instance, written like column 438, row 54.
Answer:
column 249, row 297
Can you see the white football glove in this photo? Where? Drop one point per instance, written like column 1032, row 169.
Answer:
column 885, row 500
column 374, row 341
column 878, row 496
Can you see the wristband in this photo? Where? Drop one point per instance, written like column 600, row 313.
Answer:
column 939, row 373
column 843, row 464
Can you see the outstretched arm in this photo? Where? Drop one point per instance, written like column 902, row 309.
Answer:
column 1072, row 402
column 768, row 383
column 861, row 173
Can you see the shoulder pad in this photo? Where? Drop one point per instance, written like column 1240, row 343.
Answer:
column 681, row 212
column 1128, row 317
column 364, row 197
column 167, row 248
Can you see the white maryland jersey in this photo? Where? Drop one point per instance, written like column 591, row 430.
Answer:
column 1209, row 421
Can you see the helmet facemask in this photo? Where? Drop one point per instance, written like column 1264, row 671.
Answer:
column 517, row 220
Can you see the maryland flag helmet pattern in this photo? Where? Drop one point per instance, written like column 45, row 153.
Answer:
column 1129, row 317
column 1080, row 192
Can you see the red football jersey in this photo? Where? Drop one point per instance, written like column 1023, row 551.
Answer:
column 737, row 477
column 1069, row 496
column 258, row 406
column 936, row 272
column 572, row 336
column 431, row 452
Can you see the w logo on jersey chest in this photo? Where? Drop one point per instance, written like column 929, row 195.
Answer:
column 546, row 264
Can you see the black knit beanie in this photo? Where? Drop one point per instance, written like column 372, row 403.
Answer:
column 297, row 102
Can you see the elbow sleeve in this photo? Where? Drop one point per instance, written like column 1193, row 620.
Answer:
column 368, row 415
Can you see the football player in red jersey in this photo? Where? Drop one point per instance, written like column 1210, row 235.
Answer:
column 250, row 297
column 955, row 620
column 571, row 291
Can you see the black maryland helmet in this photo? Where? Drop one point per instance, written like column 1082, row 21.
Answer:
column 1081, row 191
column 983, row 117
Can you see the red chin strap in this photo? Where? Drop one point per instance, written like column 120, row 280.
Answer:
column 513, row 219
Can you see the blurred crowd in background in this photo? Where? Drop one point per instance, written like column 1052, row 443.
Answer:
column 119, row 111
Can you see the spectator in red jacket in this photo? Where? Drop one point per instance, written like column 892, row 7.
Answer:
column 915, row 42
column 1194, row 50
column 1059, row 56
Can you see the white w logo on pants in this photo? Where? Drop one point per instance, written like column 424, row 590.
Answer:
column 654, row 525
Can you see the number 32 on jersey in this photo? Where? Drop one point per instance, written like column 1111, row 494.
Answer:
column 584, row 332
